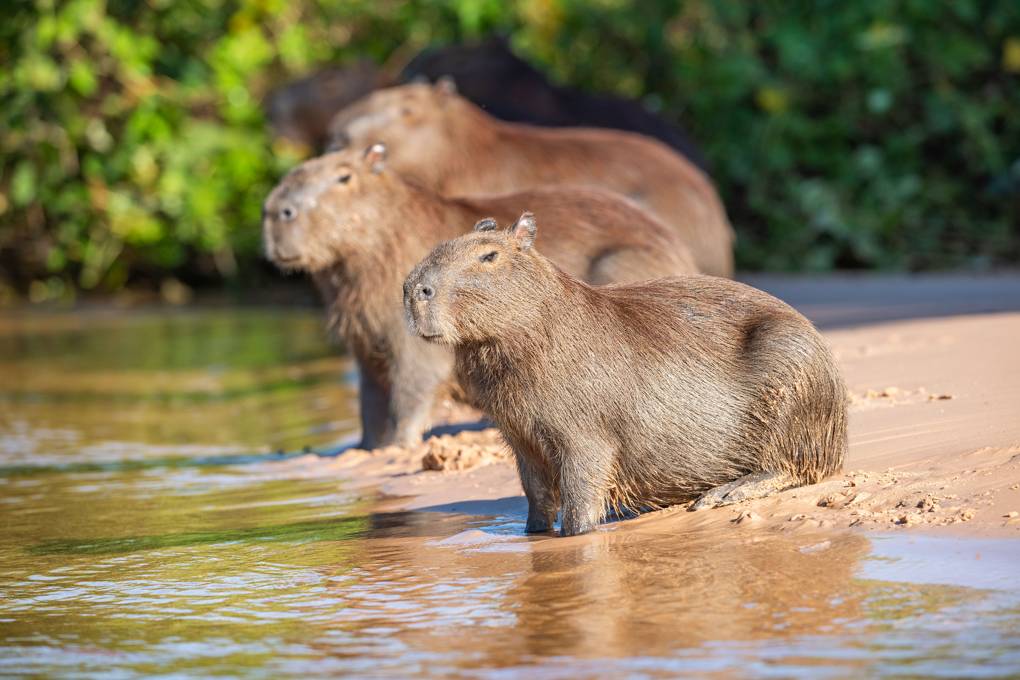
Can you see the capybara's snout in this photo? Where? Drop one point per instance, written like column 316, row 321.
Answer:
column 281, row 230
column 420, row 290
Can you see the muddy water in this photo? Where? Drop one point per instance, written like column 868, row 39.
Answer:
column 145, row 529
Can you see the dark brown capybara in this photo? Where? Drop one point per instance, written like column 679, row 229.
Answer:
column 301, row 111
column 358, row 228
column 630, row 396
column 450, row 145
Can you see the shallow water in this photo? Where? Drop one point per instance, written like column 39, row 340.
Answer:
column 146, row 530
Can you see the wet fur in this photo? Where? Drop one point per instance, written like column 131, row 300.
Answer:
column 631, row 396
column 452, row 146
column 359, row 240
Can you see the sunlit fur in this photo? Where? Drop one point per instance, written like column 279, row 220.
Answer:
column 449, row 144
column 630, row 396
column 360, row 237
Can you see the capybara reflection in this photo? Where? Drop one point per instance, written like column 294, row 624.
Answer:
column 450, row 145
column 630, row 396
column 358, row 228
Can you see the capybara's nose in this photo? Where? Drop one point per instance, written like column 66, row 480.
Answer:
column 424, row 292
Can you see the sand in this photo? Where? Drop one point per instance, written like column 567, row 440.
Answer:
column 933, row 367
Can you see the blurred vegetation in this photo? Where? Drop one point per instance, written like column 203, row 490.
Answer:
column 842, row 134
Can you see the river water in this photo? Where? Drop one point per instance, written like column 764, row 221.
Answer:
column 147, row 529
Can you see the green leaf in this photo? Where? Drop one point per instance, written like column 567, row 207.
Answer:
column 23, row 184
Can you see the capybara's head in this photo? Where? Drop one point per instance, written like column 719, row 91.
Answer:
column 325, row 207
column 476, row 287
column 413, row 119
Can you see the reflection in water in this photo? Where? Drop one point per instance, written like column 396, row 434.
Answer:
column 613, row 595
column 103, row 387
column 174, row 556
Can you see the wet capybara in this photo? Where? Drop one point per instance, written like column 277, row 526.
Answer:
column 630, row 396
column 450, row 145
column 358, row 228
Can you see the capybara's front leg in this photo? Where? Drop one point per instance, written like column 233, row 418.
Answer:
column 583, row 488
column 417, row 375
column 541, row 490
column 373, row 401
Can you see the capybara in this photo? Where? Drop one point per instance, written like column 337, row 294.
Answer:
column 301, row 111
column 487, row 73
column 630, row 396
column 358, row 228
column 450, row 145
column 490, row 75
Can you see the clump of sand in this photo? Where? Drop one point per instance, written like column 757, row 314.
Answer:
column 895, row 499
column 463, row 451
column 893, row 396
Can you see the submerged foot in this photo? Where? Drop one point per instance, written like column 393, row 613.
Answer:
column 757, row 485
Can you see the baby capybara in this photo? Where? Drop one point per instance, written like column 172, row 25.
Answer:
column 358, row 228
column 630, row 396
column 452, row 146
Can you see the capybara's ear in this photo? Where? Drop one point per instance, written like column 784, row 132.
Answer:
column 487, row 224
column 523, row 230
column 375, row 156
column 446, row 85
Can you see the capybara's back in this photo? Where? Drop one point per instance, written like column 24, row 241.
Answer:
column 733, row 382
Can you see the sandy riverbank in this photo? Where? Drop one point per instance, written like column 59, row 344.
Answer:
column 933, row 366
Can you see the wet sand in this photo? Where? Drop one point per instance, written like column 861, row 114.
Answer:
column 933, row 367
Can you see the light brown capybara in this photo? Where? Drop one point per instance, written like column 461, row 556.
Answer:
column 358, row 228
column 449, row 144
column 630, row 396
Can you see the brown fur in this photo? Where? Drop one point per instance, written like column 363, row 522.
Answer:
column 628, row 396
column 451, row 145
column 359, row 228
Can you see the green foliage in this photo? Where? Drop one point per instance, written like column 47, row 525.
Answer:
column 841, row 134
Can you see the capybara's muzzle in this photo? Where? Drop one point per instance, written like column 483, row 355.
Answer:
column 419, row 292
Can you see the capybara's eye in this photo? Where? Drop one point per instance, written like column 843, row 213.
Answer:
column 489, row 257
column 344, row 179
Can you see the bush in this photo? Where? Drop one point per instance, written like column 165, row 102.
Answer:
column 873, row 135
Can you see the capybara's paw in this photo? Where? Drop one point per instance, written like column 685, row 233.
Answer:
column 716, row 497
column 576, row 529
column 757, row 485
column 537, row 525
column 574, row 526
